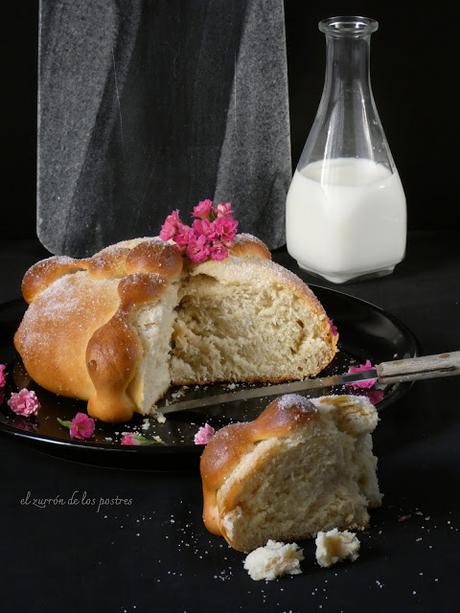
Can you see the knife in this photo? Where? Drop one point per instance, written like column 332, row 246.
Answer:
column 396, row 371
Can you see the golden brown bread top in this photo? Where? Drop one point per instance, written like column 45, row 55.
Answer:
column 126, row 257
column 228, row 446
column 44, row 273
column 76, row 338
column 246, row 245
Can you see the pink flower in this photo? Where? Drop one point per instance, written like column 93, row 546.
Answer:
column 375, row 396
column 129, row 438
column 197, row 249
column 2, row 375
column 204, row 434
column 203, row 209
column 183, row 236
column 223, row 209
column 203, row 227
column 212, row 231
column 218, row 251
column 170, row 226
column 334, row 330
column 362, row 367
column 24, row 402
column 225, row 228
column 81, row 426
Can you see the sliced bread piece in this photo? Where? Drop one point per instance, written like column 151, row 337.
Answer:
column 301, row 467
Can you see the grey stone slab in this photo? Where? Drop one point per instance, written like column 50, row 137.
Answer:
column 150, row 105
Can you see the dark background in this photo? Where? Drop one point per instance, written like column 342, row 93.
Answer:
column 78, row 560
column 414, row 71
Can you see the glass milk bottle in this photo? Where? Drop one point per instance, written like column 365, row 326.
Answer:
column 346, row 209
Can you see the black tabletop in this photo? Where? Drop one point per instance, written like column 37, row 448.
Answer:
column 76, row 537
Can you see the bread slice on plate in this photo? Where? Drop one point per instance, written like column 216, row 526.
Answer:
column 301, row 467
column 119, row 328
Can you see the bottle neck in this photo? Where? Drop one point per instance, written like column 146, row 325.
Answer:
column 347, row 63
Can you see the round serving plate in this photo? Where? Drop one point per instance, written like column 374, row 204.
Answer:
column 366, row 332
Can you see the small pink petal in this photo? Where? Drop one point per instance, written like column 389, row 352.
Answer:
column 82, row 426
column 2, row 375
column 129, row 438
column 334, row 330
column 198, row 250
column 24, row 402
column 375, row 396
column 218, row 251
column 204, row 434
column 362, row 384
column 225, row 228
column 203, row 227
column 183, row 236
column 170, row 226
column 223, row 209
column 203, row 209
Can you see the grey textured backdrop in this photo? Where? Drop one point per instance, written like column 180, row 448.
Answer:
column 149, row 105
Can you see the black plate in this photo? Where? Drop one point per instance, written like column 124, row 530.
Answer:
column 366, row 332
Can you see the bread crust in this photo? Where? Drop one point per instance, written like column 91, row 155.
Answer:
column 246, row 245
column 76, row 338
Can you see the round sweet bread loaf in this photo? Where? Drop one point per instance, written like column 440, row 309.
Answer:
column 118, row 328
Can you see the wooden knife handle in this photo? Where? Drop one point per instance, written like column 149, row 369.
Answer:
column 425, row 367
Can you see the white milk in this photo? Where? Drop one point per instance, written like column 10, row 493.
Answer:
column 346, row 217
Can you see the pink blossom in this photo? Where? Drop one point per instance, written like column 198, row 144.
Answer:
column 375, row 396
column 225, row 228
column 170, row 226
column 183, row 236
column 362, row 367
column 203, row 209
column 218, row 251
column 2, row 375
column 204, row 434
column 24, row 402
column 197, row 249
column 223, row 209
column 211, row 232
column 334, row 330
column 82, row 426
column 129, row 438
column 203, row 227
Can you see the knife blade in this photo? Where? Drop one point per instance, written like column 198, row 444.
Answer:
column 395, row 371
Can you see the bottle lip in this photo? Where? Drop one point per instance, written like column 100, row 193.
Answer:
column 348, row 25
